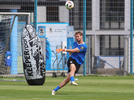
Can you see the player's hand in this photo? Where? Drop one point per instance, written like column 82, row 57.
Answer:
column 59, row 50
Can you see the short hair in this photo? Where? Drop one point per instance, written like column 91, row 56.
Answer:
column 79, row 33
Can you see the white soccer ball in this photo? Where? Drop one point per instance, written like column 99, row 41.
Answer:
column 69, row 4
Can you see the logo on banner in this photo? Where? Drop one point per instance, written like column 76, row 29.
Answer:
column 41, row 32
column 50, row 30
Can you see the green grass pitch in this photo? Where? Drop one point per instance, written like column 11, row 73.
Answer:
column 89, row 88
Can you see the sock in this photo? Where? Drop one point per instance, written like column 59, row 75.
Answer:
column 57, row 88
column 72, row 78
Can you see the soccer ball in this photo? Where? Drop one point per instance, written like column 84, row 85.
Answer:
column 69, row 4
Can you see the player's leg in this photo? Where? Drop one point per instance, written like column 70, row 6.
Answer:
column 72, row 72
column 63, row 83
column 71, row 68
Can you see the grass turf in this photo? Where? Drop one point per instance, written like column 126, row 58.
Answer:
column 89, row 88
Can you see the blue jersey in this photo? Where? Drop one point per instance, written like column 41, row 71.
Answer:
column 79, row 57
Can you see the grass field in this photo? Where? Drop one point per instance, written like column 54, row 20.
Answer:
column 89, row 88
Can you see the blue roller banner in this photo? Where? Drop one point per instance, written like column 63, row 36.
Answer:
column 55, row 34
column 13, row 46
column 70, row 38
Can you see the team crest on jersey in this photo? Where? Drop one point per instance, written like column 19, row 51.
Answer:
column 81, row 48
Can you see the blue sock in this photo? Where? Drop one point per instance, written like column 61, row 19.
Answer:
column 72, row 78
column 57, row 88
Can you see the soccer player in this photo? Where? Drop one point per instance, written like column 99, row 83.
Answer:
column 75, row 60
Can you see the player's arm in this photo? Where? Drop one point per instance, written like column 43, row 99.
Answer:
column 76, row 50
column 72, row 50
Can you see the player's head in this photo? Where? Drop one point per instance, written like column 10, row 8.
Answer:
column 79, row 36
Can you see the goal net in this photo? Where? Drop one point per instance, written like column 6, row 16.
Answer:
column 7, row 49
column 6, row 24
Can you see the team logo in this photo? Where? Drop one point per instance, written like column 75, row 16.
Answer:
column 81, row 48
column 71, row 62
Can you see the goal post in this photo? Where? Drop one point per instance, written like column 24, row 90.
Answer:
column 17, row 14
column 6, row 25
